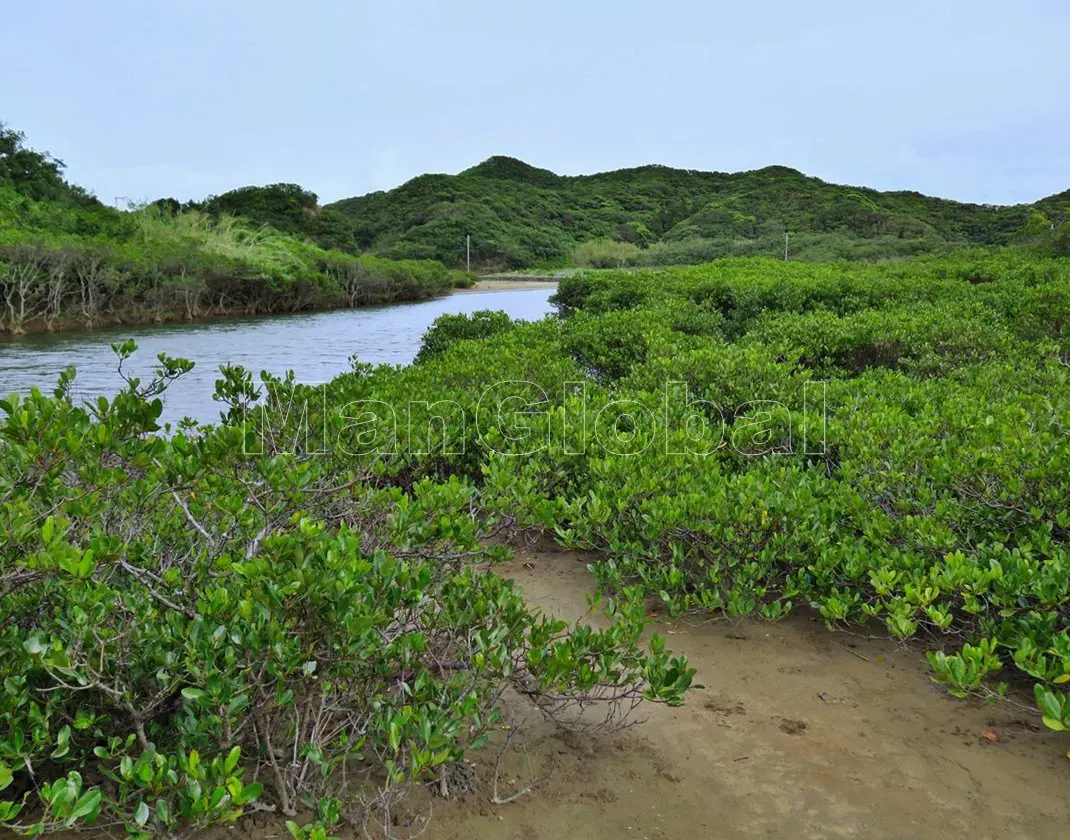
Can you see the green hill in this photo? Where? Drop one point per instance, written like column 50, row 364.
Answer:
column 519, row 215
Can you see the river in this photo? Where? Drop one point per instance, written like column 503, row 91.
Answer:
column 317, row 346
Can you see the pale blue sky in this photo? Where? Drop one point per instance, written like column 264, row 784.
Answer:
column 968, row 99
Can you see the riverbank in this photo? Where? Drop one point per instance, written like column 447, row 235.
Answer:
column 514, row 284
column 142, row 318
column 113, row 320
column 149, row 319
column 316, row 345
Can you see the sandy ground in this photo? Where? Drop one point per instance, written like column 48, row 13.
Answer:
column 507, row 286
column 798, row 733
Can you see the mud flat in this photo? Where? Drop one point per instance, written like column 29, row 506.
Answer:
column 508, row 285
column 798, row 733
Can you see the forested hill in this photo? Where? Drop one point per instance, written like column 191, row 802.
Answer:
column 519, row 215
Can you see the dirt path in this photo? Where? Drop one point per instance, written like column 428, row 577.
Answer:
column 798, row 733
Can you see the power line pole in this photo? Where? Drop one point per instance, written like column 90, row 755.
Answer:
column 785, row 246
column 468, row 251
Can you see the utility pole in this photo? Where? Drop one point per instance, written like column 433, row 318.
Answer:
column 785, row 246
column 468, row 252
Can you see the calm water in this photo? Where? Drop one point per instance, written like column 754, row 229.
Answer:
column 316, row 346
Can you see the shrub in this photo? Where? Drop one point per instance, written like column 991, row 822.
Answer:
column 181, row 618
column 929, row 494
column 449, row 329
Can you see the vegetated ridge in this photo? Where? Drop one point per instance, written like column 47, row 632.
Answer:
column 519, row 215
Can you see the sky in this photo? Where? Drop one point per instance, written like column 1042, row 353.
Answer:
column 966, row 99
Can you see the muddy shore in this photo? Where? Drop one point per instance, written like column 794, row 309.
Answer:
column 798, row 732
column 509, row 285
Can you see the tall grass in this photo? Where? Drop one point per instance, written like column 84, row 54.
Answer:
column 606, row 253
column 223, row 236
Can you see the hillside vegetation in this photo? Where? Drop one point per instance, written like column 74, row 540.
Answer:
column 67, row 260
column 521, row 216
column 288, row 208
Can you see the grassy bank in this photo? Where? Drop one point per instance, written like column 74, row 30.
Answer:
column 155, row 267
column 67, row 261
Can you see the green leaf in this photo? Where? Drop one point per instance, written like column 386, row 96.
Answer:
column 141, row 815
column 88, row 805
column 1049, row 703
column 62, row 743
